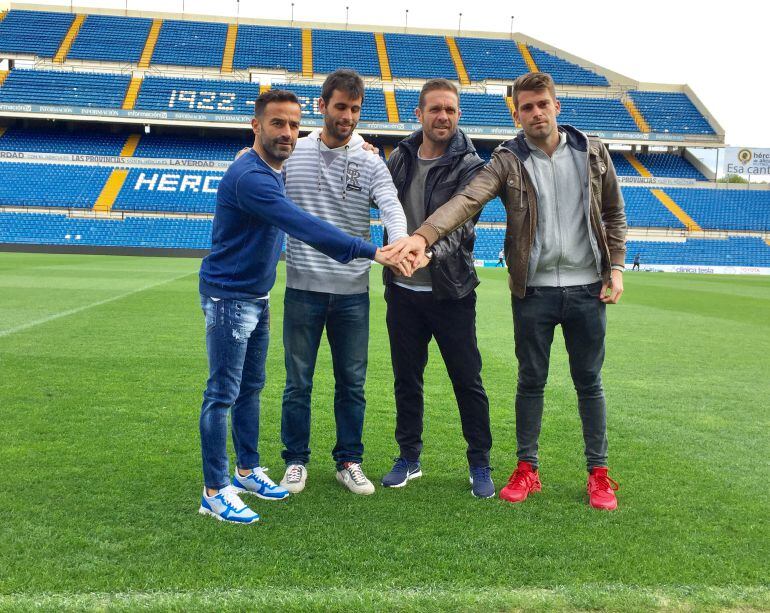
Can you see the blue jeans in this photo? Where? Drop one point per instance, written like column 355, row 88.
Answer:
column 237, row 336
column 583, row 321
column 346, row 318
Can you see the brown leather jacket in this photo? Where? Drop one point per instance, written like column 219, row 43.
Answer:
column 506, row 176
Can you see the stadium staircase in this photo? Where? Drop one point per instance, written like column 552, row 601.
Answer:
column 391, row 106
column 227, row 58
column 307, row 53
column 3, row 76
column 462, row 74
column 3, row 14
column 66, row 44
column 149, row 46
column 265, row 87
column 110, row 191
column 382, row 55
column 512, row 109
column 641, row 122
column 668, row 202
column 132, row 142
column 638, row 166
column 525, row 53
column 131, row 93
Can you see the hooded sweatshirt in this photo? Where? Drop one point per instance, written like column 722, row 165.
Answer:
column 339, row 186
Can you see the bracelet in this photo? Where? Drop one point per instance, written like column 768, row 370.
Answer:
column 619, row 267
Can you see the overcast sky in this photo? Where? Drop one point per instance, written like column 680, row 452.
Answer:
column 718, row 48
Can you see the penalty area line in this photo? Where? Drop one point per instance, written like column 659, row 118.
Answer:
column 85, row 307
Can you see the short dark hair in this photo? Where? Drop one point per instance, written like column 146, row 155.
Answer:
column 434, row 84
column 273, row 95
column 345, row 80
column 532, row 82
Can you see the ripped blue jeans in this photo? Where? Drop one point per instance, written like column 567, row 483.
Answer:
column 237, row 337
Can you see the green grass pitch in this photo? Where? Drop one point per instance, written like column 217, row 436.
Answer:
column 102, row 368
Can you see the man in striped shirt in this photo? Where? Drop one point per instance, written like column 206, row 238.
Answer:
column 332, row 177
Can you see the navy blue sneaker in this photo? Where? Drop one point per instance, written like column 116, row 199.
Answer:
column 402, row 472
column 481, row 482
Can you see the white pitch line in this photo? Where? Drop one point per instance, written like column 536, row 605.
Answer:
column 85, row 307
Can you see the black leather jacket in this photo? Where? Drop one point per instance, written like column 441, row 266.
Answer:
column 451, row 269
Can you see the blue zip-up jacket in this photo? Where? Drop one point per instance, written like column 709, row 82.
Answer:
column 250, row 219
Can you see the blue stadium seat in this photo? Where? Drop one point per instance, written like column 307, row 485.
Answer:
column 725, row 209
column 373, row 108
column 113, row 39
column 268, row 47
column 51, row 185
column 644, row 210
column 623, row 167
column 486, row 58
column 190, row 43
column 197, row 96
column 81, row 142
column 101, row 90
column 596, row 114
column 734, row 251
column 670, row 112
column 419, row 56
column 565, row 72
column 191, row 147
column 169, row 190
column 333, row 49
column 669, row 165
column 34, row 32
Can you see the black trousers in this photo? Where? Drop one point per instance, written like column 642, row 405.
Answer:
column 414, row 318
column 583, row 321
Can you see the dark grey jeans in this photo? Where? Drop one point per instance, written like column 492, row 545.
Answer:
column 583, row 320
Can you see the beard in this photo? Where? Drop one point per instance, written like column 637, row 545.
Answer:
column 273, row 148
column 337, row 132
column 433, row 135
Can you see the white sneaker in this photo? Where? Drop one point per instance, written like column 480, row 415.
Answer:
column 259, row 484
column 353, row 478
column 294, row 478
column 225, row 505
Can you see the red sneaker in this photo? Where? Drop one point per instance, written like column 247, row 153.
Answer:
column 601, row 489
column 523, row 482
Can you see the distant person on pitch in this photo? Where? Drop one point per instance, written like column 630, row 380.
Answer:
column 500, row 259
column 637, row 261
column 565, row 240
column 252, row 213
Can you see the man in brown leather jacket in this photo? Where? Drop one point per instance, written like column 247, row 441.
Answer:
column 565, row 250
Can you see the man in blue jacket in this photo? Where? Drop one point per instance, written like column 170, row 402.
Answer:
column 251, row 216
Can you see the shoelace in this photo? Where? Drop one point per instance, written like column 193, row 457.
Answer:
column 263, row 478
column 356, row 474
column 521, row 476
column 232, row 499
column 400, row 463
column 604, row 482
column 295, row 473
column 481, row 473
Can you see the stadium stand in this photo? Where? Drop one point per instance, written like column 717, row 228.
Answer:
column 190, row 43
column 719, row 209
column 62, row 141
column 622, row 166
column 169, row 191
column 486, row 58
column 107, row 38
column 85, row 89
column 196, row 95
column 34, row 32
column 477, row 109
column 190, row 147
column 419, row 56
column 670, row 112
column 733, row 251
column 268, row 47
column 644, row 210
column 596, row 114
column 668, row 165
column 333, row 49
column 50, row 185
column 564, row 72
column 157, row 232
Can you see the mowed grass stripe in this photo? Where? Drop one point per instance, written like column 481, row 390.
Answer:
column 100, row 426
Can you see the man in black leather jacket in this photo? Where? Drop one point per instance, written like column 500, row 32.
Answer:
column 439, row 301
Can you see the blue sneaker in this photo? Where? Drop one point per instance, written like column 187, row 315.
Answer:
column 402, row 472
column 226, row 506
column 259, row 484
column 481, row 482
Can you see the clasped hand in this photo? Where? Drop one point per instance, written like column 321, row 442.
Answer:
column 404, row 256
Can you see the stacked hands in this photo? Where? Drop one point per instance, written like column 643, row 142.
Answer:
column 408, row 254
column 405, row 255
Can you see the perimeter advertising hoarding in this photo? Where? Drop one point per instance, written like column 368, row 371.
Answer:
column 747, row 161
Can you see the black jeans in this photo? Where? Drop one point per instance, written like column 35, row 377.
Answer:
column 583, row 320
column 413, row 319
